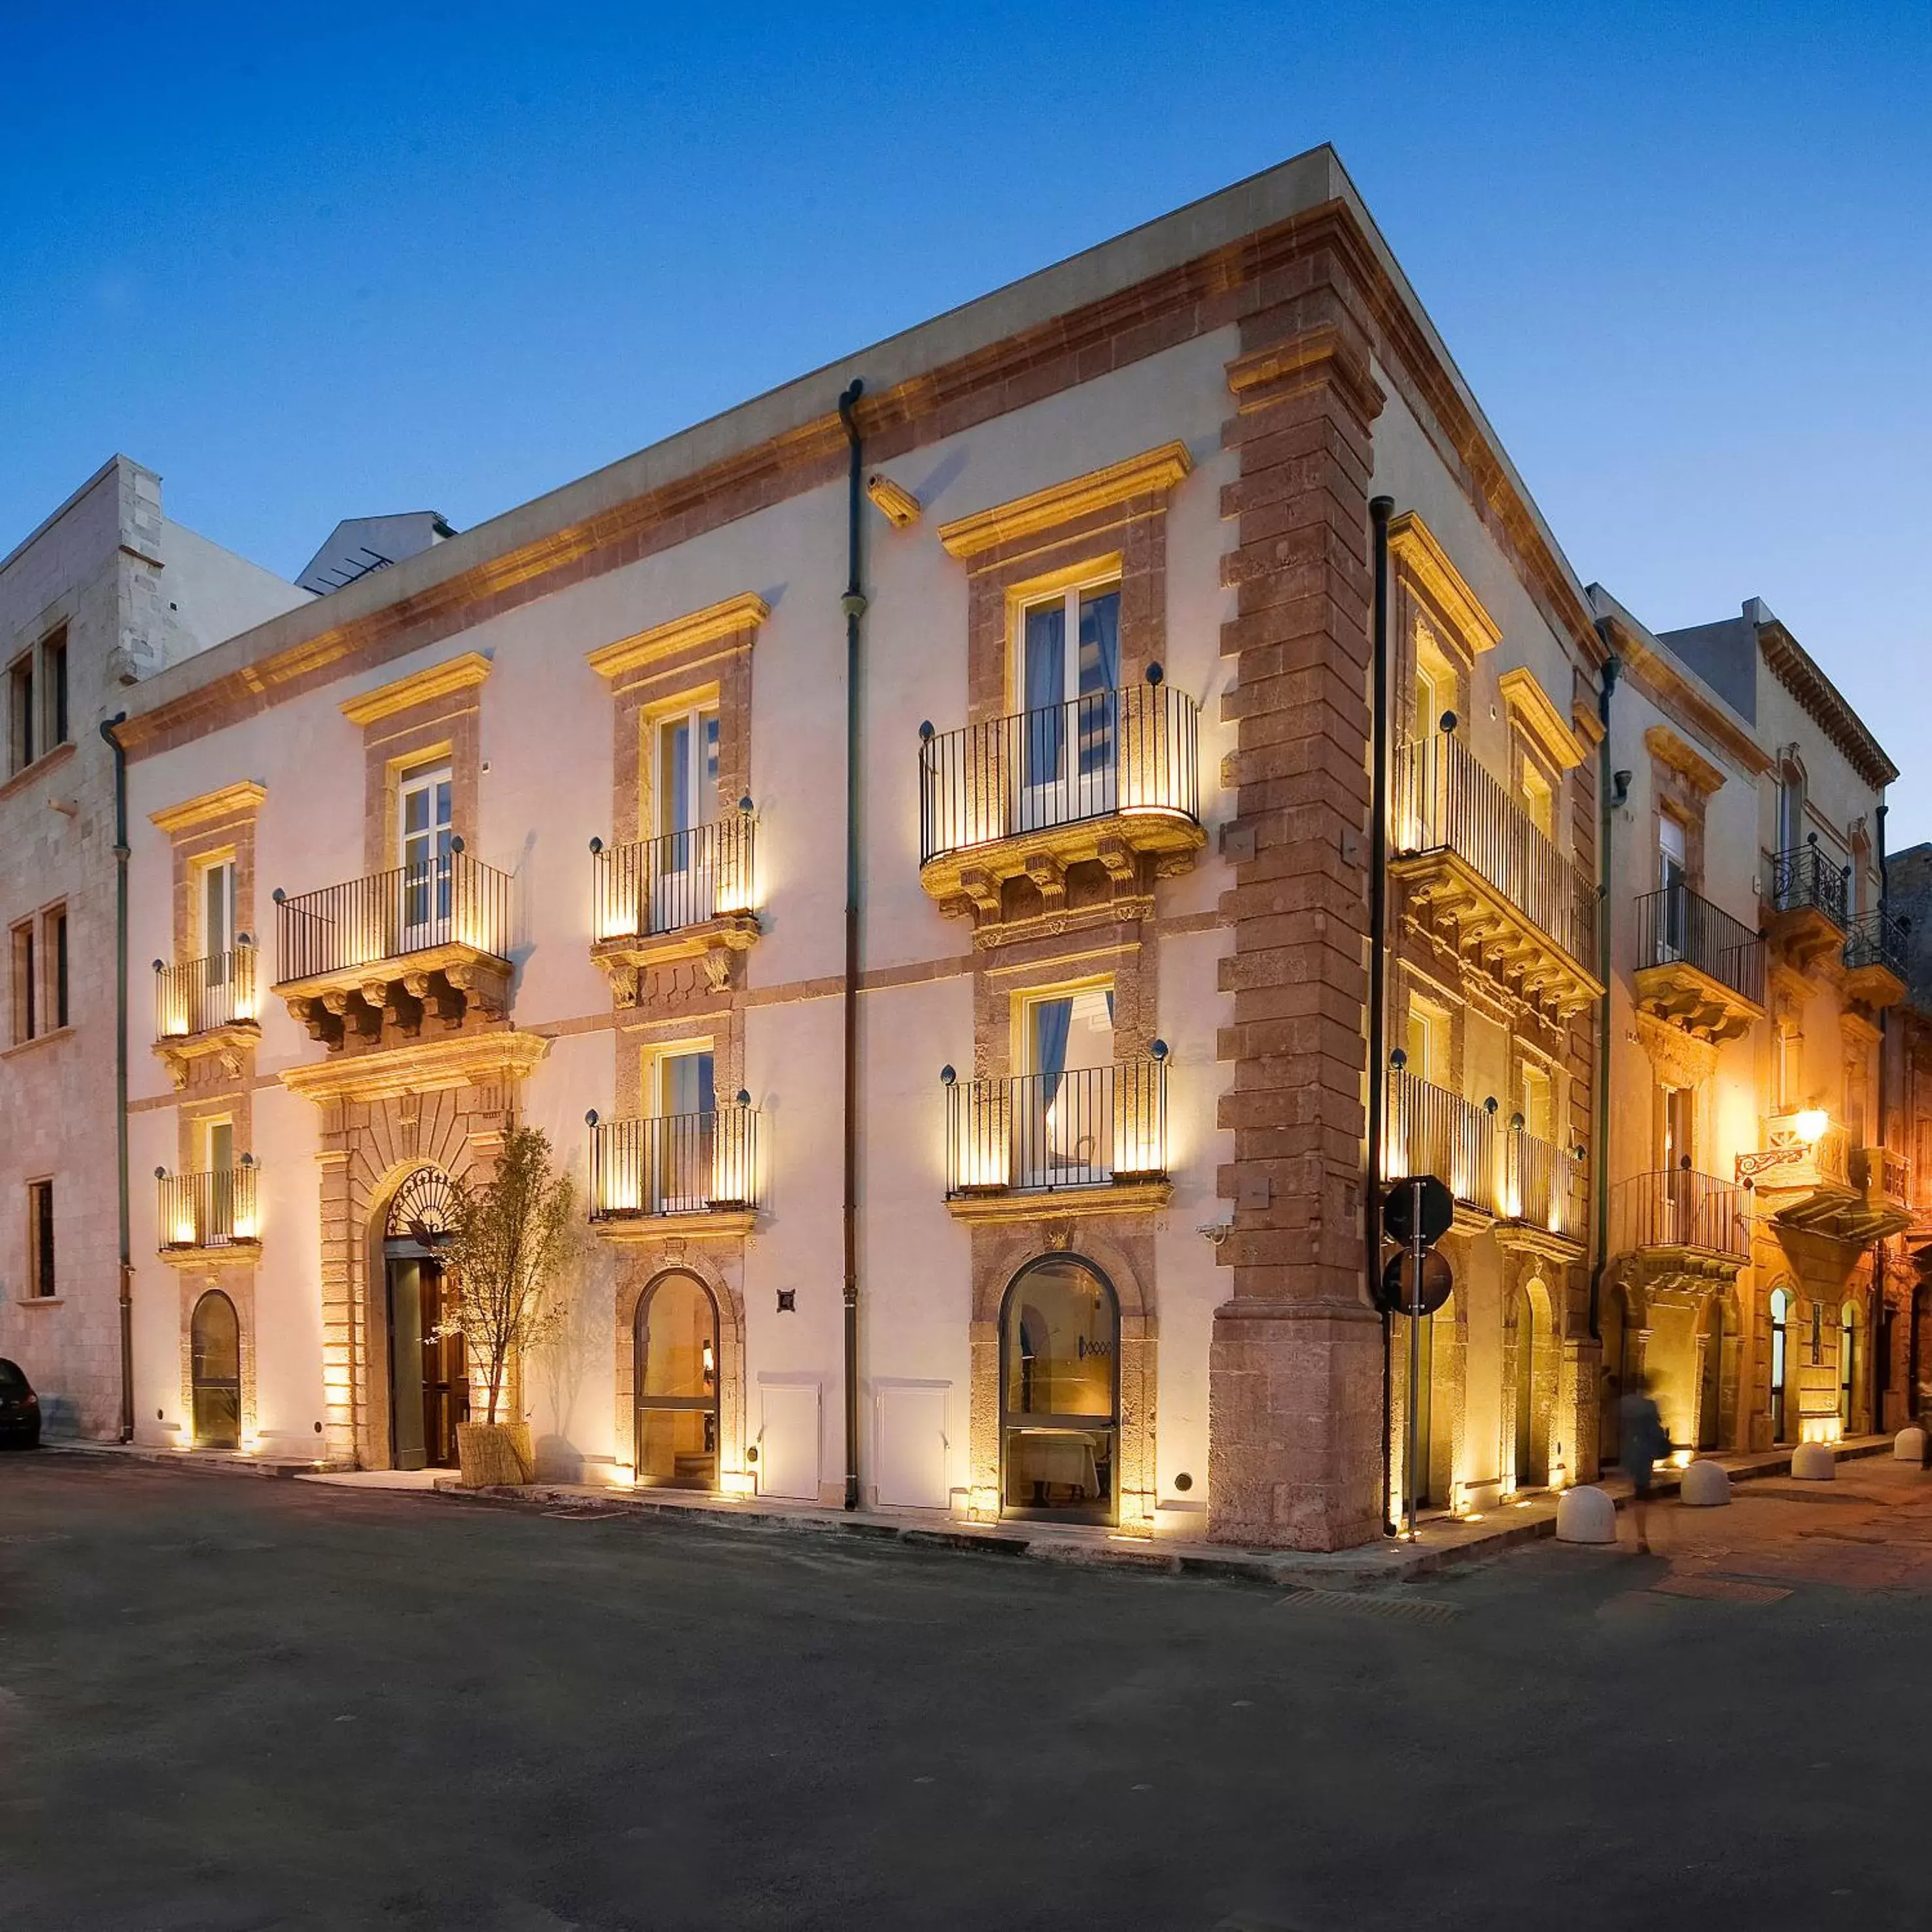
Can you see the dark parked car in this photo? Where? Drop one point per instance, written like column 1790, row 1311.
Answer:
column 19, row 1409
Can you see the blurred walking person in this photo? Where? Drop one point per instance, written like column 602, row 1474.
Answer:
column 1644, row 1444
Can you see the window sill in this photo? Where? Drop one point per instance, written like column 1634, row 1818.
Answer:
column 39, row 1300
column 47, row 762
column 20, row 1046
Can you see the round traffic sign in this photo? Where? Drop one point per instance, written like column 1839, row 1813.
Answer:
column 1439, row 1209
column 1398, row 1293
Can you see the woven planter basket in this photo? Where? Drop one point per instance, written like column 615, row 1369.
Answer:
column 491, row 1454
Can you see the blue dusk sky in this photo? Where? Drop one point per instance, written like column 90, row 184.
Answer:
column 313, row 263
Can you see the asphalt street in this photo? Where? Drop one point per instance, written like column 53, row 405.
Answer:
column 229, row 1703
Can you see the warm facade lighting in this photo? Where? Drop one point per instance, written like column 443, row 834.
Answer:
column 1812, row 1125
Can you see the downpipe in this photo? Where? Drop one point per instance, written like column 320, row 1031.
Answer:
column 120, row 854
column 853, row 604
column 1877, row 1370
column 1600, row 1168
column 1381, row 508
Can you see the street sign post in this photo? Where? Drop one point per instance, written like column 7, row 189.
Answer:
column 1417, row 1213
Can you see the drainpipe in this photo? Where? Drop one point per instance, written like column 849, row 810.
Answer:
column 1876, row 1330
column 853, row 604
column 1380, row 510
column 121, row 1066
column 1601, row 1166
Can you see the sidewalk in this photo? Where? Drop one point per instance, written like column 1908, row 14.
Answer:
column 1440, row 1540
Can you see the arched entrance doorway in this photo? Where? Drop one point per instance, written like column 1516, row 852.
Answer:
column 429, row 1377
column 1780, row 1364
column 215, row 1367
column 1535, row 1385
column 1059, row 1392
column 676, row 1379
column 1711, row 1344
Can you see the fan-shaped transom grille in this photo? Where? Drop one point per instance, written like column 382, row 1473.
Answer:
column 424, row 1207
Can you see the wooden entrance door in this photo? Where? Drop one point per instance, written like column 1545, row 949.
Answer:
column 430, row 1382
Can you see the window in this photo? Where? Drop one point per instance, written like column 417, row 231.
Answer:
column 1063, row 1114
column 1434, row 690
column 1538, row 1106
column 1676, row 1121
column 1068, row 694
column 214, row 908
column 424, row 837
column 1780, row 1319
column 1672, row 871
column 40, row 1279
column 54, row 926
column 685, row 1129
column 684, row 768
column 1426, row 1042
column 1539, row 799
column 53, row 674
column 1790, row 1049
column 26, row 1017
column 20, row 721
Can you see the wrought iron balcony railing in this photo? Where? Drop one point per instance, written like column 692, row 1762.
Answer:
column 675, row 1163
column 212, row 1209
column 1128, row 752
column 1677, row 1208
column 452, row 901
column 1678, row 927
column 1431, row 1130
column 1495, row 1166
column 1877, row 939
column 201, row 996
column 1090, row 1126
column 1442, row 799
column 1802, row 879
column 683, row 879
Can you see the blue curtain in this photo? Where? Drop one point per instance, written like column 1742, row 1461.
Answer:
column 1099, row 674
column 1045, row 692
column 1052, row 1020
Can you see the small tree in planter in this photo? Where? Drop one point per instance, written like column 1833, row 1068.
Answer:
column 507, row 1242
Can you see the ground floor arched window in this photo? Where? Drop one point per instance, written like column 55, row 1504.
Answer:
column 214, row 1365
column 1060, row 1383
column 1848, row 1367
column 1780, row 1364
column 677, row 1385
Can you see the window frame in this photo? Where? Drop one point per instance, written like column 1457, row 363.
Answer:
column 23, row 971
column 43, row 1247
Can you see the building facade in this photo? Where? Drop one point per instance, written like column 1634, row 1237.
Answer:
column 107, row 592
column 1753, row 1180
column 910, row 843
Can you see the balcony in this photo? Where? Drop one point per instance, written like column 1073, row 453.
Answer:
column 206, row 1009
column 1683, row 1228
column 1809, row 1177
column 1091, row 1139
column 1883, row 1180
column 676, row 1174
column 1109, row 779
column 687, row 896
column 1697, row 968
column 1488, row 877
column 396, row 947
column 1808, row 897
column 1876, row 973
column 207, row 1218
column 1502, row 1176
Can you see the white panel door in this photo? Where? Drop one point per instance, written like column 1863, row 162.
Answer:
column 788, row 1441
column 912, row 1463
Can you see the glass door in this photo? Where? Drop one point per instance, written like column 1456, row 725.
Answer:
column 1673, row 877
column 683, row 884
column 1060, row 1392
column 1064, row 1112
column 217, row 1201
column 215, row 1353
column 687, row 1128
column 424, row 841
column 677, row 1382
column 1069, row 668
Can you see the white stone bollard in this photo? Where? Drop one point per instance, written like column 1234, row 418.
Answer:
column 1586, row 1514
column 1814, row 1463
column 1705, row 1486
column 1909, row 1446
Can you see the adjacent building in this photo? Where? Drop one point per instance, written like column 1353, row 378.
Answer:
column 107, row 593
column 908, row 842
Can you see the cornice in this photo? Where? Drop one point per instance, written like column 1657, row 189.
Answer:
column 742, row 614
column 1791, row 665
column 438, row 680
column 479, row 1060
column 1679, row 698
column 1666, row 746
column 1536, row 714
column 1414, row 551
column 1153, row 472
column 242, row 800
